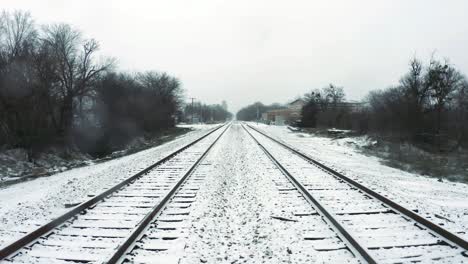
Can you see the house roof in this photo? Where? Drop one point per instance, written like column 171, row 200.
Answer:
column 297, row 100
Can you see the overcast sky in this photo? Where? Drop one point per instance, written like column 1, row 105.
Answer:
column 242, row 51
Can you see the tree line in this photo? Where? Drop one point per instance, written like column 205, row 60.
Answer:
column 54, row 89
column 254, row 111
column 205, row 113
column 325, row 108
column 429, row 105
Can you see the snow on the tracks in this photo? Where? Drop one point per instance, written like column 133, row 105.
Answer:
column 25, row 206
column 241, row 214
column 444, row 202
column 245, row 211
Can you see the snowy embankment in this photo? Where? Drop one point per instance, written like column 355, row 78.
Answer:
column 15, row 165
column 26, row 205
column 447, row 201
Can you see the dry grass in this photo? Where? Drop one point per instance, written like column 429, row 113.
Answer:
column 450, row 165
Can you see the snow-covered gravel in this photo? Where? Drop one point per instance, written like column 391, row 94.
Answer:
column 247, row 212
column 444, row 201
column 26, row 205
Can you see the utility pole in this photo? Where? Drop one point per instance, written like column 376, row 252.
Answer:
column 192, row 108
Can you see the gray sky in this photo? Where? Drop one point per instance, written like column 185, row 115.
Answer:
column 248, row 50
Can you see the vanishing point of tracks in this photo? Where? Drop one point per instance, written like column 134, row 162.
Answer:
column 105, row 228
column 374, row 228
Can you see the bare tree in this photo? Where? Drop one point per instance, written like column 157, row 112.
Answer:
column 19, row 100
column 19, row 33
column 49, row 77
column 329, row 99
column 333, row 94
column 442, row 81
column 75, row 68
column 311, row 109
column 415, row 93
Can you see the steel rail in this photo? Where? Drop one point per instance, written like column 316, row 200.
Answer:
column 138, row 231
column 451, row 238
column 344, row 234
column 48, row 227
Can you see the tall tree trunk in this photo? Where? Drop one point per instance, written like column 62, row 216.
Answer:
column 66, row 118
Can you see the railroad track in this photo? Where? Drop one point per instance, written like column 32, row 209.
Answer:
column 374, row 228
column 165, row 237
column 104, row 228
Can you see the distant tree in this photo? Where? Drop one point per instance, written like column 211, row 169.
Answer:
column 166, row 95
column 310, row 109
column 133, row 105
column 429, row 106
column 388, row 109
column 415, row 96
column 442, row 81
column 333, row 94
column 323, row 107
column 208, row 113
column 254, row 111
column 331, row 111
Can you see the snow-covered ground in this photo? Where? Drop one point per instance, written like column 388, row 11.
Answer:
column 245, row 210
column 242, row 216
column 26, row 205
column 446, row 201
column 15, row 165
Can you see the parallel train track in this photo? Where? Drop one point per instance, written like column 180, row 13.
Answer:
column 105, row 227
column 146, row 214
column 374, row 228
